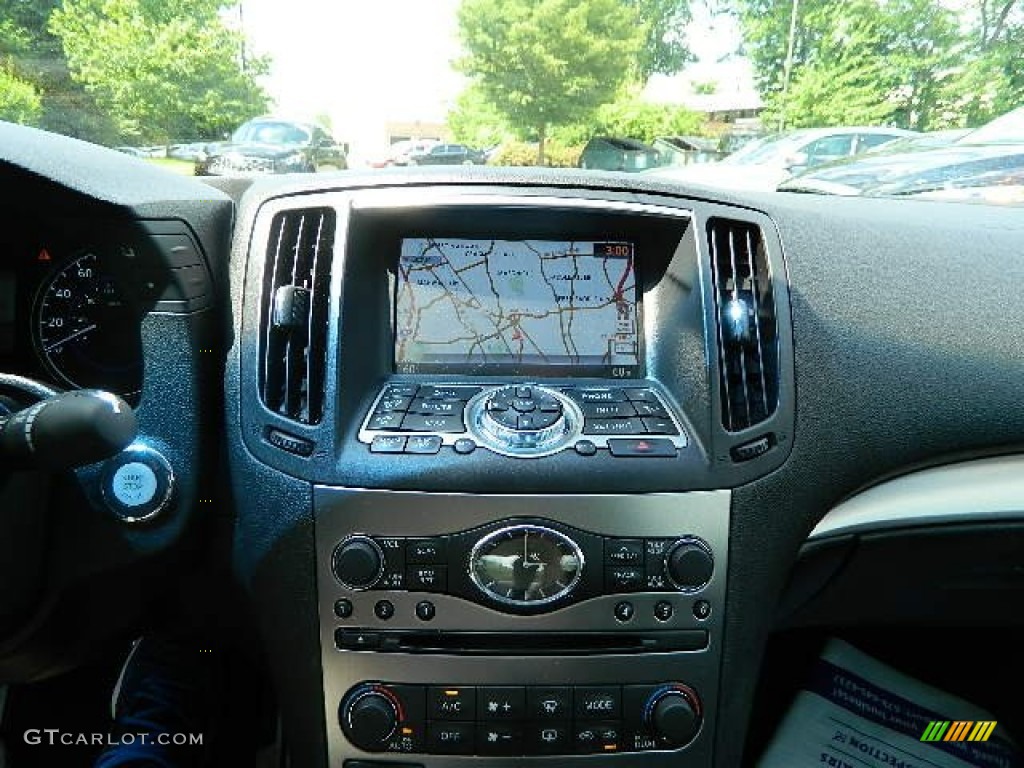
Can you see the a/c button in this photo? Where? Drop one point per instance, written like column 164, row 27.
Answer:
column 133, row 484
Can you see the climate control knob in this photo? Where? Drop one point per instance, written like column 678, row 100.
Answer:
column 369, row 716
column 689, row 564
column 358, row 562
column 673, row 715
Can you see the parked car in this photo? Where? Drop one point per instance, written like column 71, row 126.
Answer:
column 193, row 150
column 768, row 164
column 402, row 151
column 913, row 173
column 448, row 154
column 686, row 150
column 615, row 154
column 271, row 145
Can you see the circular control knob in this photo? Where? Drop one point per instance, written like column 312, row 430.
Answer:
column 673, row 715
column 524, row 420
column 369, row 716
column 689, row 565
column 358, row 562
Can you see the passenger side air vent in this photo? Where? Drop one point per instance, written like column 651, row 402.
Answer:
column 296, row 301
column 748, row 350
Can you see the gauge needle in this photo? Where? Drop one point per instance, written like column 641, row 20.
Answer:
column 526, row 553
column 74, row 335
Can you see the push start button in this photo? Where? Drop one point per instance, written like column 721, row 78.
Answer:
column 137, row 484
column 134, row 484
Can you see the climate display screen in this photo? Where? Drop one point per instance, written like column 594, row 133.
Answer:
column 517, row 307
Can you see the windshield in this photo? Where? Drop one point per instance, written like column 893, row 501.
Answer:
column 516, row 82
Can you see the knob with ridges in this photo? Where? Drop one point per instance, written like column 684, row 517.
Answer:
column 689, row 564
column 369, row 716
column 673, row 715
column 358, row 562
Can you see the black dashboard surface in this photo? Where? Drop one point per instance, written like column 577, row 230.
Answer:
column 906, row 352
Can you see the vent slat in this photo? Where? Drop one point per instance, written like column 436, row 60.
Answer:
column 296, row 302
column 745, row 323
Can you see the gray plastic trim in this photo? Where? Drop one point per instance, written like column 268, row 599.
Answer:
column 984, row 490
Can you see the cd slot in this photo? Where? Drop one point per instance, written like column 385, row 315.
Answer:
column 520, row 643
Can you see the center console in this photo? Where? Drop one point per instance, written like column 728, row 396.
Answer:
column 519, row 427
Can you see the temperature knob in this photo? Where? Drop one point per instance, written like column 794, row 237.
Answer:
column 673, row 715
column 369, row 716
column 358, row 562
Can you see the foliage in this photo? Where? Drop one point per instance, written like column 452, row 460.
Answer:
column 19, row 99
column 545, row 63
column 664, row 45
column 475, row 122
column 519, row 153
column 913, row 63
column 163, row 69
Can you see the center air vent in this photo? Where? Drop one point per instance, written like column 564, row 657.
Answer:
column 296, row 302
column 745, row 317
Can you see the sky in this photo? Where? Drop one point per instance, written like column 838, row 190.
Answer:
column 367, row 62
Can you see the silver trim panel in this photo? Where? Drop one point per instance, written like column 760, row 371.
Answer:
column 339, row 512
column 980, row 491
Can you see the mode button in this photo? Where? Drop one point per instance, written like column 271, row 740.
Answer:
column 598, row 703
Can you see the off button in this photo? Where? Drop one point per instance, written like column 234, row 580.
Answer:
column 133, row 484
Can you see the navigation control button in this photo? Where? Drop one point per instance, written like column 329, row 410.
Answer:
column 389, row 420
column 392, row 403
column 436, row 406
column 524, row 392
column 387, row 444
column 507, row 418
column 597, row 395
column 500, row 703
column 613, row 427
column 416, row 422
column 426, row 444
column 464, row 446
column 658, row 447
column 549, row 703
column 440, row 392
column 598, row 703
column 657, row 426
column 651, row 409
column 400, row 390
column 451, row 703
column 585, row 448
column 548, row 405
column 607, row 410
column 524, row 406
column 642, row 395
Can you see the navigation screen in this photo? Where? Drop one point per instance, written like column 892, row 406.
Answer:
column 517, row 306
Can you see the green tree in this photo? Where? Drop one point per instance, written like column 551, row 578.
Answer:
column 163, row 69
column 664, row 26
column 474, row 121
column 19, row 99
column 545, row 63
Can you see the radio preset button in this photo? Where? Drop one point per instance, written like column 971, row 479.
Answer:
column 598, row 702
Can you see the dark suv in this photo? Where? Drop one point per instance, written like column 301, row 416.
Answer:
column 448, row 154
column 270, row 145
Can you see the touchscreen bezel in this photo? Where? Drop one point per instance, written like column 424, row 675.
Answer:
column 534, row 370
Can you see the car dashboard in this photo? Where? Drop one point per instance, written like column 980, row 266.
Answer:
column 517, row 466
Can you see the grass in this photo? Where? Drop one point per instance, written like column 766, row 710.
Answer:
column 184, row 167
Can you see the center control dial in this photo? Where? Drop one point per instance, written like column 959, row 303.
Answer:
column 524, row 420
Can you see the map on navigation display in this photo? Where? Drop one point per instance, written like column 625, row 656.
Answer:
column 516, row 305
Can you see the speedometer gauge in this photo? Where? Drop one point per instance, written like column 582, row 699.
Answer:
column 85, row 328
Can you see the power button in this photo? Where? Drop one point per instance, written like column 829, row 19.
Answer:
column 137, row 484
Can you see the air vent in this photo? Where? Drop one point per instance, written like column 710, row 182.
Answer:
column 746, row 325
column 296, row 301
